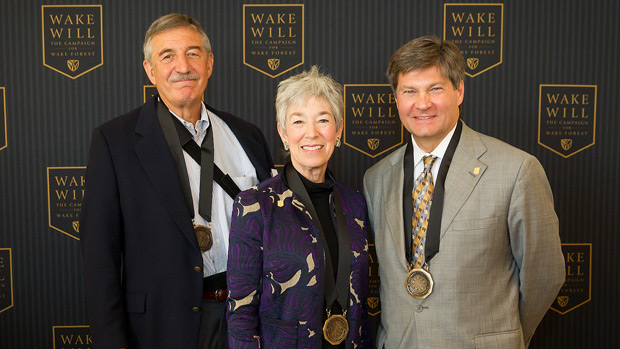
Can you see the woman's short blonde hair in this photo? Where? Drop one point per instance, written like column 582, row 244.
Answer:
column 298, row 88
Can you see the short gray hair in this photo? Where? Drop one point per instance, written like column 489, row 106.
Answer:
column 169, row 22
column 298, row 88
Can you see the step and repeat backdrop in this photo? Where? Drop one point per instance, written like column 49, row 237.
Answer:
column 541, row 75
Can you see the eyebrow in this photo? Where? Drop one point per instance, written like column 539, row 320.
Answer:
column 166, row 50
column 432, row 84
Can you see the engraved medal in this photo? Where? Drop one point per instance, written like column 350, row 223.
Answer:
column 205, row 239
column 419, row 283
column 336, row 328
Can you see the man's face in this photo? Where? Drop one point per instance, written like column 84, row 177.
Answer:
column 428, row 105
column 180, row 67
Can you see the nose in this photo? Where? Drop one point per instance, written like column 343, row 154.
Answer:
column 423, row 101
column 183, row 65
column 311, row 130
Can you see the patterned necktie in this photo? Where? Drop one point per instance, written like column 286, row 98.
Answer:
column 422, row 196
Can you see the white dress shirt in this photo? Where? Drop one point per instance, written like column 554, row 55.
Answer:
column 230, row 157
column 439, row 152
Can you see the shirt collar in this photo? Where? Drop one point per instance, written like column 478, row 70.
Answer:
column 439, row 151
column 201, row 125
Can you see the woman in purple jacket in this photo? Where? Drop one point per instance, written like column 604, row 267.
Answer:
column 298, row 255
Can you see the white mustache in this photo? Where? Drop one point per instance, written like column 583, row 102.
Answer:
column 182, row 77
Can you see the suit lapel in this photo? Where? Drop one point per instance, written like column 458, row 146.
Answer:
column 465, row 171
column 156, row 159
column 393, row 200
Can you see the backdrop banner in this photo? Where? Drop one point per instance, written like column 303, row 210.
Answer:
column 541, row 75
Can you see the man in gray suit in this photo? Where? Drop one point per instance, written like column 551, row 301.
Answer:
column 467, row 240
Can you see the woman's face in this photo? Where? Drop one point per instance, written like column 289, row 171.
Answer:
column 311, row 133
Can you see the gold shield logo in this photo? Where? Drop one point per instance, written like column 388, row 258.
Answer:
column 65, row 186
column 273, row 30
column 72, row 38
column 371, row 123
column 567, row 118
column 373, row 302
column 472, row 63
column 577, row 288
column 566, row 143
column 373, row 143
column 478, row 31
column 73, row 64
column 563, row 301
column 273, row 63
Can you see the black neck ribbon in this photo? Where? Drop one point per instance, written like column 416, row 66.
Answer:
column 433, row 233
column 335, row 290
column 204, row 156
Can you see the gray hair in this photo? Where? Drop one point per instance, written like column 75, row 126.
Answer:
column 169, row 22
column 298, row 88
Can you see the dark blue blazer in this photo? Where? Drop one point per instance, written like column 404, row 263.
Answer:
column 142, row 266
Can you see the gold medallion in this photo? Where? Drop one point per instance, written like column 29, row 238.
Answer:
column 419, row 283
column 205, row 239
column 335, row 329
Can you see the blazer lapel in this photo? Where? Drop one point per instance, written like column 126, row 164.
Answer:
column 154, row 155
column 393, row 201
column 465, row 171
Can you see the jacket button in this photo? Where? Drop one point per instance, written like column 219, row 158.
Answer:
column 197, row 269
column 196, row 309
column 419, row 308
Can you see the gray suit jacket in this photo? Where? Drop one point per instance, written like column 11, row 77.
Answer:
column 499, row 265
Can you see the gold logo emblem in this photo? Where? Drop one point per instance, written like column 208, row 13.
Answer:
column 371, row 123
column 478, row 30
column 72, row 38
column 273, row 63
column 567, row 118
column 563, row 301
column 65, row 186
column 273, row 30
column 73, row 64
column 577, row 288
column 373, row 143
column 566, row 143
column 472, row 63
column 373, row 302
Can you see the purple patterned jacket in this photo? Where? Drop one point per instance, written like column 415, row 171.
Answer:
column 276, row 270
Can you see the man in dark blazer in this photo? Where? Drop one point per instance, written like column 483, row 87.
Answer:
column 155, row 219
column 485, row 266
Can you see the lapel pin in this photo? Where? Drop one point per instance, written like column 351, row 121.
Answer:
column 476, row 170
column 280, row 203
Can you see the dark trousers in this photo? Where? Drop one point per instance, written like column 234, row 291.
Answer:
column 213, row 327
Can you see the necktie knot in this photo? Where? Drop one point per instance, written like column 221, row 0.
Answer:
column 428, row 162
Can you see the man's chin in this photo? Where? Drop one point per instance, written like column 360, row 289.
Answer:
column 183, row 100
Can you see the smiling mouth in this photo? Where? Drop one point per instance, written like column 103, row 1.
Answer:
column 424, row 117
column 307, row 147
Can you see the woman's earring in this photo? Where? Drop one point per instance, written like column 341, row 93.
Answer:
column 286, row 145
column 337, row 142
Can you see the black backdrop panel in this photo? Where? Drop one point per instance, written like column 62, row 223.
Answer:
column 48, row 113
